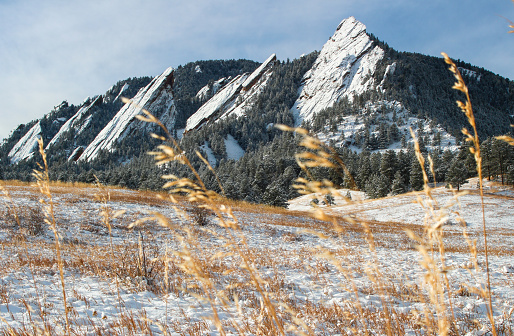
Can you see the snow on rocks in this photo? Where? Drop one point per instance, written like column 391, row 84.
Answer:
column 343, row 68
column 123, row 89
column 26, row 146
column 235, row 97
column 224, row 99
column 156, row 97
column 79, row 121
column 208, row 91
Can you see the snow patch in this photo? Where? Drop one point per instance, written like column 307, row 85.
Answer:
column 234, row 151
column 391, row 68
column 76, row 122
column 254, row 77
column 123, row 89
column 470, row 73
column 209, row 153
column 207, row 90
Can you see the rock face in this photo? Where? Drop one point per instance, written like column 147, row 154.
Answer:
column 343, row 68
column 210, row 90
column 235, row 97
column 79, row 121
column 156, row 97
column 25, row 147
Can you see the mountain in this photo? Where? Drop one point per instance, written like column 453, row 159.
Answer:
column 357, row 94
column 342, row 69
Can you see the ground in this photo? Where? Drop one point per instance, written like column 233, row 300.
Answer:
column 370, row 266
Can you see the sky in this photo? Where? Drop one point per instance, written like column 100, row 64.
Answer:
column 56, row 50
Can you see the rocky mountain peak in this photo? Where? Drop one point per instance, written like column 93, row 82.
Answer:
column 342, row 69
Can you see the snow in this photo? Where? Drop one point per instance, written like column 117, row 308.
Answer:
column 247, row 97
column 76, row 122
column 209, row 154
column 391, row 68
column 76, row 154
column 234, row 98
column 180, row 133
column 470, row 73
column 396, row 113
column 25, row 147
column 287, row 256
column 204, row 92
column 254, row 77
column 123, row 89
column 198, row 69
column 224, row 97
column 234, row 151
column 156, row 97
column 343, row 68
column 404, row 208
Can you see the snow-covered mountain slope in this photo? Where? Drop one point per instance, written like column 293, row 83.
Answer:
column 343, row 68
column 389, row 129
column 79, row 121
column 235, row 97
column 156, row 97
column 26, row 146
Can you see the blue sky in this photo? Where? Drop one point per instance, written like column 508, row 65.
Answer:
column 57, row 50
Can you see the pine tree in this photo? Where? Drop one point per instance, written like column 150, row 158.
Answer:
column 388, row 165
column 398, row 185
column 416, row 175
column 457, row 174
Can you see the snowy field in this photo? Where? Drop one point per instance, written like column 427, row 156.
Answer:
column 313, row 279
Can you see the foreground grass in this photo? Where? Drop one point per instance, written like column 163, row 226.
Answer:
column 298, row 258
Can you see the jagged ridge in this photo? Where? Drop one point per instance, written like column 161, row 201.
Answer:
column 156, row 97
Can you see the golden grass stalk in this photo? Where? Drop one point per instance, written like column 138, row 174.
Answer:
column 196, row 191
column 105, row 212
column 318, row 154
column 475, row 150
column 435, row 276
column 43, row 182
